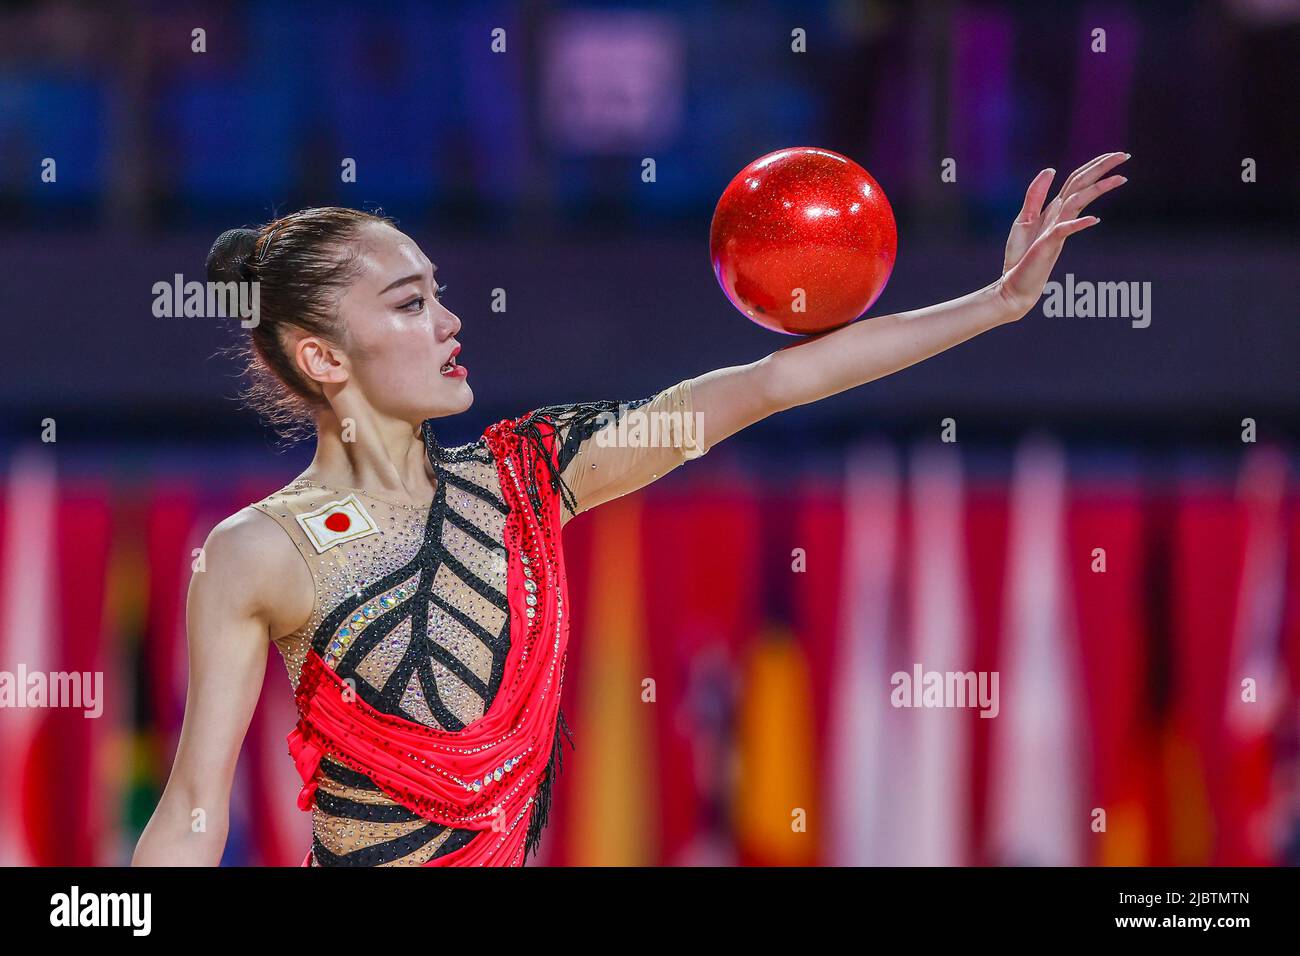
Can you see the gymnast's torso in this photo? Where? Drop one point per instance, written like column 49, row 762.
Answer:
column 410, row 605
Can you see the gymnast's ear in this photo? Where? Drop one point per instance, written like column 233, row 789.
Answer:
column 320, row 360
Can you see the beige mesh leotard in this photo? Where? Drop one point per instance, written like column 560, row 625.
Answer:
column 448, row 673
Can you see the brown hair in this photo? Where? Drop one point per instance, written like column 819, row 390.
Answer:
column 302, row 263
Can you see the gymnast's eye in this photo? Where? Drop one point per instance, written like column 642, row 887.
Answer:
column 417, row 302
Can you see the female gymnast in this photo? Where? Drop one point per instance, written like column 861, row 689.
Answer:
column 417, row 593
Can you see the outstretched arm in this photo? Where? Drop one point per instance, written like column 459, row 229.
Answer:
column 730, row 399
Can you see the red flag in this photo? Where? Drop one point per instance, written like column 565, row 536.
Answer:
column 1107, row 555
column 26, row 647
column 1209, row 548
column 698, row 633
column 80, row 817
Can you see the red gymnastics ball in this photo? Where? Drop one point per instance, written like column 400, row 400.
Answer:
column 803, row 240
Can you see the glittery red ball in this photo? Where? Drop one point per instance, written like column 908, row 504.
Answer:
column 803, row 240
column 338, row 522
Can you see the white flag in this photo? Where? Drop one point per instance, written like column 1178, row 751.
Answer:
column 1036, row 812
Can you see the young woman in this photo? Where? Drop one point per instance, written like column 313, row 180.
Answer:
column 417, row 593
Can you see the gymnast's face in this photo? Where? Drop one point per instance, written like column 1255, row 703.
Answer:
column 400, row 340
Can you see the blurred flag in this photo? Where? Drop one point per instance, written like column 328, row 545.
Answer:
column 1036, row 816
column 146, row 607
column 775, row 794
column 1251, row 719
column 1287, row 832
column 1208, row 543
column 861, row 753
column 26, row 646
column 937, row 813
column 817, row 604
column 82, row 814
column 611, row 822
column 1108, row 554
column 699, row 637
column 174, row 533
column 987, row 525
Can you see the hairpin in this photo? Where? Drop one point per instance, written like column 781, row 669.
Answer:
column 266, row 246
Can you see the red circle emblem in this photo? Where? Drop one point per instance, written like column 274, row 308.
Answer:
column 338, row 522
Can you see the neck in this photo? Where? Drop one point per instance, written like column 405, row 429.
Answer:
column 382, row 455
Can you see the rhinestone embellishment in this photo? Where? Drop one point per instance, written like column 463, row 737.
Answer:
column 494, row 775
column 363, row 617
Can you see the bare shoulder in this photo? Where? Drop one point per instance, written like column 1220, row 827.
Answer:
column 250, row 539
column 249, row 566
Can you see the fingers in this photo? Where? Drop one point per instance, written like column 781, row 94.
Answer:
column 1048, row 246
column 1076, row 203
column 1035, row 196
column 1039, row 232
column 1025, row 281
column 1069, row 227
column 1052, row 239
column 1083, row 170
column 1090, row 172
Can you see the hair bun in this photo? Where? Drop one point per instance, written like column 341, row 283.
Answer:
column 231, row 257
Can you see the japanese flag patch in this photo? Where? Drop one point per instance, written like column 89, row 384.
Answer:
column 337, row 522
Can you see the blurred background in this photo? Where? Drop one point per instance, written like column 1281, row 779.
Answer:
column 1114, row 531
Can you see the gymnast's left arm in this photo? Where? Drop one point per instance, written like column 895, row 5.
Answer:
column 603, row 457
column 814, row 368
